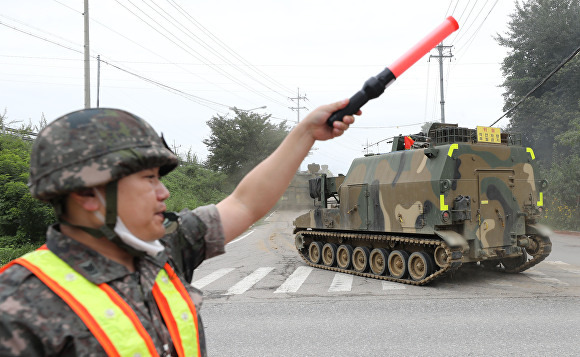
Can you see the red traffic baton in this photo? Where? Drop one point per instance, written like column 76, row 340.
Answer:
column 375, row 86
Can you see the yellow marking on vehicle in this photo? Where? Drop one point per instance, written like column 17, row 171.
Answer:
column 451, row 148
column 541, row 201
column 531, row 151
column 444, row 207
column 484, row 202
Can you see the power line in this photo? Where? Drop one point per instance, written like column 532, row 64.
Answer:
column 472, row 38
column 225, row 46
column 197, row 99
column 541, row 83
column 190, row 50
column 172, row 20
column 209, row 48
column 40, row 37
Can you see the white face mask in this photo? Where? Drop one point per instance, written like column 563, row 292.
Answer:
column 151, row 248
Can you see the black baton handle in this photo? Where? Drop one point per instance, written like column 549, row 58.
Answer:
column 373, row 87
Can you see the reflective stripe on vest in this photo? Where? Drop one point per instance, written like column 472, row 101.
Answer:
column 178, row 311
column 108, row 316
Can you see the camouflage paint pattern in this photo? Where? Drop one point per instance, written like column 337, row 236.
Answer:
column 487, row 193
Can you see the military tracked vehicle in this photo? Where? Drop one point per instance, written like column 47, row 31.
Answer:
column 438, row 200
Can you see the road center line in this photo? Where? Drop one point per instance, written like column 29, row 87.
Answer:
column 240, row 238
column 294, row 281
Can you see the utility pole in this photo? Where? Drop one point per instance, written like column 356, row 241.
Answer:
column 87, row 58
column 440, row 49
column 98, row 78
column 298, row 107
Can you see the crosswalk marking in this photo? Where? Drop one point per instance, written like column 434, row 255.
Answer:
column 341, row 282
column 200, row 283
column 391, row 285
column 344, row 282
column 243, row 285
column 541, row 277
column 294, row 281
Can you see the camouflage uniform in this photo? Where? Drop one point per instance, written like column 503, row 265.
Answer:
column 36, row 322
column 83, row 149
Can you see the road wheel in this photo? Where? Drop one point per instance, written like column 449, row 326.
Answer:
column 360, row 259
column 314, row 252
column 441, row 257
column 514, row 262
column 378, row 261
column 344, row 256
column 329, row 254
column 420, row 266
column 397, row 263
column 534, row 247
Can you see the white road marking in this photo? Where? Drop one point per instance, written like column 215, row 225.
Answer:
column 208, row 279
column 391, row 285
column 500, row 284
column 564, row 266
column 341, row 282
column 543, row 278
column 243, row 285
column 242, row 237
column 294, row 281
column 267, row 219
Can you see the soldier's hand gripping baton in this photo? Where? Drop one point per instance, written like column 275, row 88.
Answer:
column 375, row 86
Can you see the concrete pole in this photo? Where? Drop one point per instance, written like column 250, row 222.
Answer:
column 440, row 48
column 87, row 58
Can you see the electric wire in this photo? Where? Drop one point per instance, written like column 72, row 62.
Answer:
column 156, row 53
column 472, row 38
column 192, row 52
column 457, row 38
column 209, row 48
column 541, row 83
column 225, row 46
column 197, row 99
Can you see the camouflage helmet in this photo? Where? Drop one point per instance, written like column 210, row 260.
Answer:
column 92, row 147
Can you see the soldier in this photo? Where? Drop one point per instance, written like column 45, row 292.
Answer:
column 113, row 277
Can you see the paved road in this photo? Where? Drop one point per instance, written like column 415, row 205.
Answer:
column 262, row 300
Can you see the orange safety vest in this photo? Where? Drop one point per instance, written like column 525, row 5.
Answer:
column 110, row 319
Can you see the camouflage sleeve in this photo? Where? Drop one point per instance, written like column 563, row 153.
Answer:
column 199, row 236
column 29, row 314
column 214, row 235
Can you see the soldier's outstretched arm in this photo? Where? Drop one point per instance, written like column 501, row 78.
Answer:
column 265, row 184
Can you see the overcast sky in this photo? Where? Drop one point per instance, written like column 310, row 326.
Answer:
column 206, row 56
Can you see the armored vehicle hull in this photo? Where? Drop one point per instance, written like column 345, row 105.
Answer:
column 413, row 215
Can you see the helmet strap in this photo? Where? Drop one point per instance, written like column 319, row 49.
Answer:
column 110, row 220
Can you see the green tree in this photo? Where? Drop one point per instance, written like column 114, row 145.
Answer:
column 542, row 33
column 238, row 144
column 23, row 219
column 192, row 185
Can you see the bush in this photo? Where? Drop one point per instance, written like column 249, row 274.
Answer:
column 9, row 254
column 21, row 216
column 192, row 185
column 561, row 216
